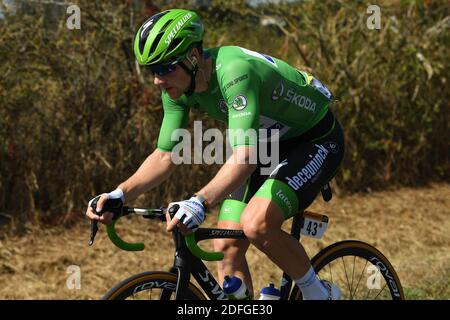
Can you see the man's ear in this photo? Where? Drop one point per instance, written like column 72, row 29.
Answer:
column 193, row 59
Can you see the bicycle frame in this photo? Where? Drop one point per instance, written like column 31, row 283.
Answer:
column 189, row 257
column 186, row 264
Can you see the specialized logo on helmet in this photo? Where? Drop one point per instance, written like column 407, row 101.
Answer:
column 239, row 102
column 177, row 28
column 277, row 93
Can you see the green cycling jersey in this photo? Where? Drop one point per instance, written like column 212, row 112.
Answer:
column 250, row 90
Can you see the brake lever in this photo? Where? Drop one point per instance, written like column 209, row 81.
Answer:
column 94, row 229
column 94, row 223
column 173, row 209
column 113, row 205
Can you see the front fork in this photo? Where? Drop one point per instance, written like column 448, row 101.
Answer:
column 180, row 267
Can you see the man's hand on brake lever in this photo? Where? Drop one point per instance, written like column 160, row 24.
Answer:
column 189, row 216
column 105, row 217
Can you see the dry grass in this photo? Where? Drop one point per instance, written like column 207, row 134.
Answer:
column 410, row 226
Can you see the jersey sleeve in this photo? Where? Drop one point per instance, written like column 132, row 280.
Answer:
column 176, row 116
column 240, row 88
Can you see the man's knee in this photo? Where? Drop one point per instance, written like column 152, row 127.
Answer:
column 259, row 220
column 254, row 225
column 255, row 230
column 232, row 248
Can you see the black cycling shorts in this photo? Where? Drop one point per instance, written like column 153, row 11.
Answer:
column 306, row 164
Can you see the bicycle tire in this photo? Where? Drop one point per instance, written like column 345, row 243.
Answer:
column 362, row 251
column 166, row 282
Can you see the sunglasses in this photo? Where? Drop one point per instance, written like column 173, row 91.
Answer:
column 163, row 69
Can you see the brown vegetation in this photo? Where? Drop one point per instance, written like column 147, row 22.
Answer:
column 76, row 118
column 410, row 226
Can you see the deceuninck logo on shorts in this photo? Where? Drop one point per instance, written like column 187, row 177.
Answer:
column 309, row 171
column 239, row 102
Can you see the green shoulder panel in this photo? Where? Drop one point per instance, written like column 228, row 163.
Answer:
column 176, row 116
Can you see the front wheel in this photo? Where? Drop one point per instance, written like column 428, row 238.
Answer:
column 359, row 270
column 153, row 285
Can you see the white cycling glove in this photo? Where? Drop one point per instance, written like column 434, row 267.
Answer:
column 191, row 213
column 116, row 194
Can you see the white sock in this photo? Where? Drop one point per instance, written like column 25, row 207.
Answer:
column 311, row 287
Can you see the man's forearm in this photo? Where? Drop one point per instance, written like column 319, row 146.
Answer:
column 230, row 176
column 153, row 171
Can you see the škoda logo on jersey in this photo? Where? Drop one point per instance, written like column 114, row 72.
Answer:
column 239, row 102
column 291, row 96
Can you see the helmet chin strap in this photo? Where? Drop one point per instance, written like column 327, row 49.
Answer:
column 193, row 74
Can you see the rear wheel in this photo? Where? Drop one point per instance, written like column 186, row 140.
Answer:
column 359, row 270
column 155, row 285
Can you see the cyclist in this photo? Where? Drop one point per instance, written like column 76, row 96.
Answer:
column 248, row 91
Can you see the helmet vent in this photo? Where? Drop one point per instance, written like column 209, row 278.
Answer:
column 155, row 58
column 164, row 27
column 174, row 44
column 155, row 43
column 141, row 44
column 147, row 27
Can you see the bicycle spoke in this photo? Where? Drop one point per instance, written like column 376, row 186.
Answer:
column 359, row 280
column 380, row 291
column 165, row 294
column 361, row 258
column 346, row 276
column 353, row 284
column 367, row 295
column 353, row 273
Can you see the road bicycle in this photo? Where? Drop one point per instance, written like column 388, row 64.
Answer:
column 357, row 268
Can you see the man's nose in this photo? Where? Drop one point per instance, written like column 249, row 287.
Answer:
column 157, row 80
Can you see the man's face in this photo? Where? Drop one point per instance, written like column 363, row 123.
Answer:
column 174, row 83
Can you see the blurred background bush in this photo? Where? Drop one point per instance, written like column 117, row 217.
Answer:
column 77, row 116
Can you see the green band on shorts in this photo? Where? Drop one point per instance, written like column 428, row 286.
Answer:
column 231, row 210
column 280, row 193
